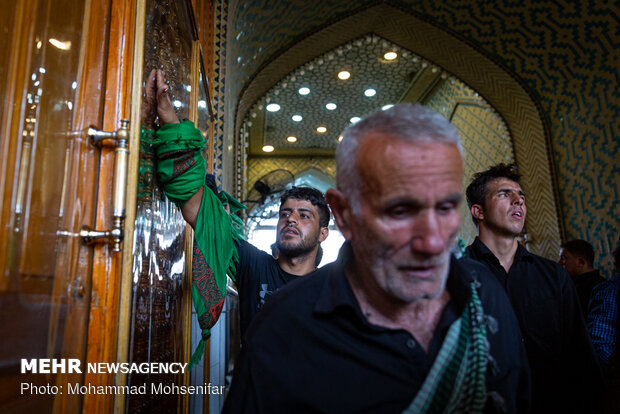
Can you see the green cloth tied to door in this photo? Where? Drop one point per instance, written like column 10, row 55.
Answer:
column 181, row 169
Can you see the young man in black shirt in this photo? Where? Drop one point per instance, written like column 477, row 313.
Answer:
column 396, row 324
column 302, row 227
column 565, row 374
column 302, row 224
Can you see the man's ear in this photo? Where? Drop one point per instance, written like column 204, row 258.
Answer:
column 582, row 262
column 323, row 233
column 341, row 210
column 477, row 212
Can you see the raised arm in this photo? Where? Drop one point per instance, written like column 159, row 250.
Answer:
column 181, row 170
column 166, row 115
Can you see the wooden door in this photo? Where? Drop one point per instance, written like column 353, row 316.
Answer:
column 67, row 65
column 54, row 83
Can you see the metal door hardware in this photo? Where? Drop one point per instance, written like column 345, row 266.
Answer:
column 115, row 235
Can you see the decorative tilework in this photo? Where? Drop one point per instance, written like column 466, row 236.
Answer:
column 219, row 83
column 564, row 52
column 258, row 167
column 390, row 79
column 499, row 88
column 254, row 24
column 483, row 133
column 567, row 53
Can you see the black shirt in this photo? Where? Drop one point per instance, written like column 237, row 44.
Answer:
column 311, row 350
column 565, row 373
column 258, row 275
column 584, row 284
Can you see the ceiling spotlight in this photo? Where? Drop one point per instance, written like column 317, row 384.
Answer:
column 273, row 107
column 321, row 130
column 355, row 119
column 297, row 118
column 291, row 139
column 304, row 91
column 370, row 92
column 344, row 75
column 331, row 106
column 268, row 148
column 390, row 55
column 386, row 107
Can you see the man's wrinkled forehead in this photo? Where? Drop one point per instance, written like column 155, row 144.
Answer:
column 382, row 151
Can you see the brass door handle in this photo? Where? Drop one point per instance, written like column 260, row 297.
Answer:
column 115, row 235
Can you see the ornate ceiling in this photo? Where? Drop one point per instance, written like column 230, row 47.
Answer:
column 272, row 39
column 363, row 58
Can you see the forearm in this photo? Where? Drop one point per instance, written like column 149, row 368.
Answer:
column 181, row 166
column 191, row 208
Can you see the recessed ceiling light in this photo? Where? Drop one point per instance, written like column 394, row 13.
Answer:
column 370, row 92
column 304, row 91
column 273, row 107
column 268, row 148
column 321, row 129
column 355, row 119
column 344, row 75
column 297, row 118
column 340, row 138
column 390, row 55
column 386, row 107
column 291, row 139
column 331, row 106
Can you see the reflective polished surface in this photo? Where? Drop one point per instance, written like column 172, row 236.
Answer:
column 159, row 258
column 46, row 163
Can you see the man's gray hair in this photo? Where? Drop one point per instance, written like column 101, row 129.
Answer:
column 407, row 122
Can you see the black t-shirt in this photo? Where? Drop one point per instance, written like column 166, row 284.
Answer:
column 311, row 350
column 565, row 373
column 584, row 284
column 258, row 276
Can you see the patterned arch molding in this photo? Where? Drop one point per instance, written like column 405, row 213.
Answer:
column 503, row 91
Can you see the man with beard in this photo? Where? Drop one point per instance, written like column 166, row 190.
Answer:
column 302, row 227
column 565, row 373
column 396, row 324
column 218, row 247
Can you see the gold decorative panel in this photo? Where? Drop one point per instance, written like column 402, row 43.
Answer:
column 159, row 257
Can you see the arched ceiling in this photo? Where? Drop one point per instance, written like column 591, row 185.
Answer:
column 313, row 96
column 277, row 37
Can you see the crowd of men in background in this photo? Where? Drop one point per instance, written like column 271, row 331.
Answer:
column 397, row 323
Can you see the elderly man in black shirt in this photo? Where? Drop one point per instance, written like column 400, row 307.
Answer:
column 565, row 373
column 396, row 324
